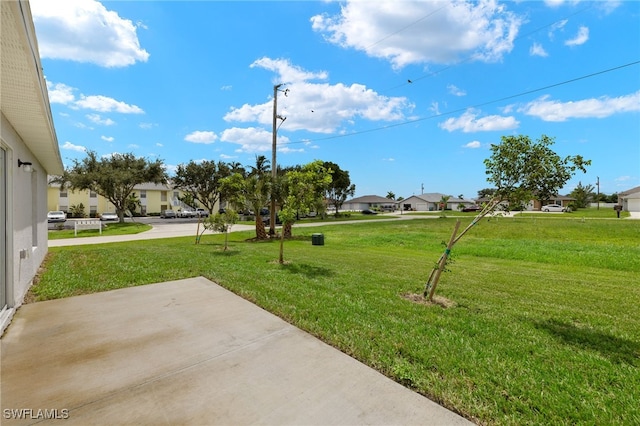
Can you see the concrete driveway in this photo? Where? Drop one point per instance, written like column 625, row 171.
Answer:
column 187, row 352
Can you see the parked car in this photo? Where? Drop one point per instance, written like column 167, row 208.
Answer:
column 186, row 213
column 472, row 208
column 109, row 216
column 56, row 216
column 168, row 214
column 202, row 213
column 368, row 211
column 553, row 208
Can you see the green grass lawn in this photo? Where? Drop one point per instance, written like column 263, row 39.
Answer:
column 108, row 228
column 545, row 327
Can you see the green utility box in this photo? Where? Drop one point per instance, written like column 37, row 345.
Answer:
column 317, row 239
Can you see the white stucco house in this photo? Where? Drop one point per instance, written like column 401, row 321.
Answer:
column 630, row 199
column 28, row 153
column 370, row 202
column 431, row 202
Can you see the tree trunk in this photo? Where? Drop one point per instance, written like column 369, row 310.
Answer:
column 281, row 257
column 286, row 230
column 261, row 232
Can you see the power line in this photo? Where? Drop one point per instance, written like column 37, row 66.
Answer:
column 528, row 92
column 407, row 26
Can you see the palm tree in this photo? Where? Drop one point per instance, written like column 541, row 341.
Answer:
column 391, row 195
column 444, row 200
column 262, row 166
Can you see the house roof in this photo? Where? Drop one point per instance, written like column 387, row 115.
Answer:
column 629, row 191
column 436, row 197
column 25, row 100
column 371, row 199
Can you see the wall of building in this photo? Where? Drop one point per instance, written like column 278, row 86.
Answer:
column 24, row 219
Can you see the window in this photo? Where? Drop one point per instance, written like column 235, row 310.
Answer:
column 93, row 194
column 163, row 195
column 143, row 194
column 63, row 193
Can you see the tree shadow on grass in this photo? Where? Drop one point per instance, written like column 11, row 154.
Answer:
column 309, row 271
column 616, row 349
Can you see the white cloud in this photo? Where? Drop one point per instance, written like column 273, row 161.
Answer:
column 318, row 106
column 286, row 150
column 85, row 31
column 147, row 125
column 95, row 118
column 455, row 91
column 226, row 88
column 107, row 138
column 580, row 38
column 468, row 122
column 60, row 93
column 105, row 104
column 251, row 139
column 444, row 33
column 537, row 50
column 390, row 159
column 71, row 147
column 287, row 72
column 133, row 146
column 159, row 144
column 549, row 110
column 622, row 178
column 201, row 137
column 227, row 157
column 473, row 145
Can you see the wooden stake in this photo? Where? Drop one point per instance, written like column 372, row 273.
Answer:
column 435, row 274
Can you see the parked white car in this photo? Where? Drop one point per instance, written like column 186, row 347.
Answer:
column 56, row 216
column 109, row 216
column 186, row 213
column 202, row 213
column 553, row 208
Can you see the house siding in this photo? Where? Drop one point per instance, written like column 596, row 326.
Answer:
column 25, row 220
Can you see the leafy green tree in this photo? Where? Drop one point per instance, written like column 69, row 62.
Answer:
column 113, row 177
column 391, row 195
column 222, row 223
column 340, row 188
column 251, row 192
column 521, row 168
column 133, row 203
column 302, row 190
column 486, row 193
column 583, row 195
column 201, row 181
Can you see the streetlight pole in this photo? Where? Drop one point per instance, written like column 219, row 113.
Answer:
column 274, row 167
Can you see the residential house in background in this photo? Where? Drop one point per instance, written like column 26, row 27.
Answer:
column 431, row 202
column 29, row 152
column 153, row 198
column 563, row 200
column 630, row 199
column 373, row 202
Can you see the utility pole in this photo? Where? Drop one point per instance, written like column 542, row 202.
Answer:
column 274, row 167
column 598, row 194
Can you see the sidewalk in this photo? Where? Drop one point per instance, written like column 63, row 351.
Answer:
column 188, row 352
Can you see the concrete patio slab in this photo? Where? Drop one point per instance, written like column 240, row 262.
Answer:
column 187, row 352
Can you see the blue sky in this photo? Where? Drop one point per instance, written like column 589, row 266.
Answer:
column 406, row 96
